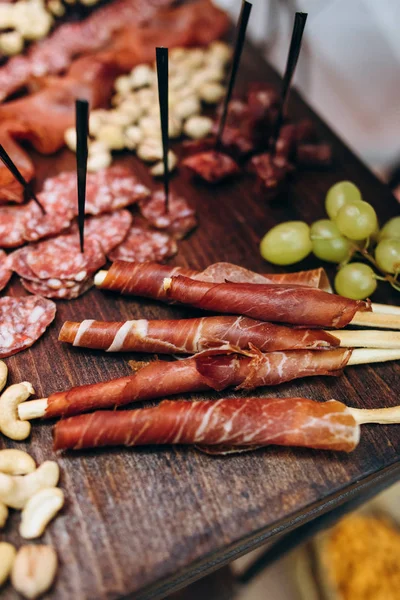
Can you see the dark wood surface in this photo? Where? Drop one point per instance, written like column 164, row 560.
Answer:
column 141, row 523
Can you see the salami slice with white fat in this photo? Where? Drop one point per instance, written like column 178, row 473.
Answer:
column 61, row 258
column 38, row 226
column 143, row 244
column 5, row 271
column 12, row 225
column 56, row 289
column 110, row 229
column 178, row 220
column 111, row 189
column 23, row 321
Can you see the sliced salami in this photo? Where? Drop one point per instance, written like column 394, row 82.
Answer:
column 5, row 271
column 143, row 244
column 60, row 290
column 110, row 229
column 38, row 225
column 18, row 263
column 23, row 321
column 178, row 220
column 113, row 188
column 61, row 258
column 12, row 225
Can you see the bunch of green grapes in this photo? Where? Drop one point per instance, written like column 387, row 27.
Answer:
column 352, row 227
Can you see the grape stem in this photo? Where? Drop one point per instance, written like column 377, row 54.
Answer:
column 385, row 276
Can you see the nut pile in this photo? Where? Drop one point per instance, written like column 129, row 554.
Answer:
column 195, row 80
column 30, row 20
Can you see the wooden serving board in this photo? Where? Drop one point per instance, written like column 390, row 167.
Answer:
column 140, row 523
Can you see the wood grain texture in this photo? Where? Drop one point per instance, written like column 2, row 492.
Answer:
column 141, row 523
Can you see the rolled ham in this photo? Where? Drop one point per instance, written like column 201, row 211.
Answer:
column 146, row 279
column 160, row 378
column 282, row 303
column 191, row 336
column 228, row 423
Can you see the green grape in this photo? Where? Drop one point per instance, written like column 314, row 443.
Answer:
column 335, row 251
column 391, row 229
column 338, row 195
column 356, row 220
column 328, row 243
column 387, row 255
column 286, row 243
column 356, row 281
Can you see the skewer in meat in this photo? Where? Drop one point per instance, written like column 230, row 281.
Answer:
column 146, row 279
column 222, row 334
column 226, row 425
column 190, row 336
column 160, row 379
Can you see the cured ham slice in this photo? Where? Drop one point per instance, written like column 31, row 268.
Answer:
column 160, row 379
column 230, row 422
column 5, row 271
column 23, row 321
column 143, row 244
column 55, row 53
column 280, row 303
column 191, row 336
column 212, row 166
column 10, row 189
column 177, row 221
column 148, row 279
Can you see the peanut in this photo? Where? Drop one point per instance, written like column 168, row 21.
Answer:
column 34, row 570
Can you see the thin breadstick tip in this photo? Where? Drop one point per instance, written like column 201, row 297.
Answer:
column 100, row 277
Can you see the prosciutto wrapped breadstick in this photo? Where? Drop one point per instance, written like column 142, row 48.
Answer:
column 283, row 303
column 146, row 279
column 191, row 336
column 160, row 379
column 225, row 425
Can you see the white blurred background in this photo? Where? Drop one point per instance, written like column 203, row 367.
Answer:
column 349, row 67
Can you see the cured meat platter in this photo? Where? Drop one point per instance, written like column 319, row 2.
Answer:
column 142, row 522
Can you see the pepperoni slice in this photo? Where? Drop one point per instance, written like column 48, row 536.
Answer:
column 143, row 244
column 23, row 321
column 12, row 225
column 110, row 229
column 61, row 258
column 5, row 271
column 178, row 220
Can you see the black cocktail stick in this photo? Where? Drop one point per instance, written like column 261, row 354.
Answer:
column 240, row 37
column 19, row 177
column 294, row 51
column 82, row 126
column 162, row 79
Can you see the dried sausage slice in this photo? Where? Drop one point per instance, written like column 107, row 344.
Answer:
column 178, row 220
column 23, row 321
column 143, row 244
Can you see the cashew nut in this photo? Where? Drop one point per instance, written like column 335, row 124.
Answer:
column 70, row 138
column 10, row 425
column 15, row 490
column 131, row 108
column 3, row 374
column 119, row 118
column 56, row 7
column 3, row 520
column 123, row 85
column 39, row 511
column 150, row 126
column 97, row 118
column 34, row 570
column 221, row 50
column 187, row 107
column 150, row 150
column 112, row 136
column 7, row 557
column 11, row 43
column 98, row 161
column 158, row 169
column 133, row 137
column 16, row 462
column 198, row 127
column 141, row 76
column 212, row 92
